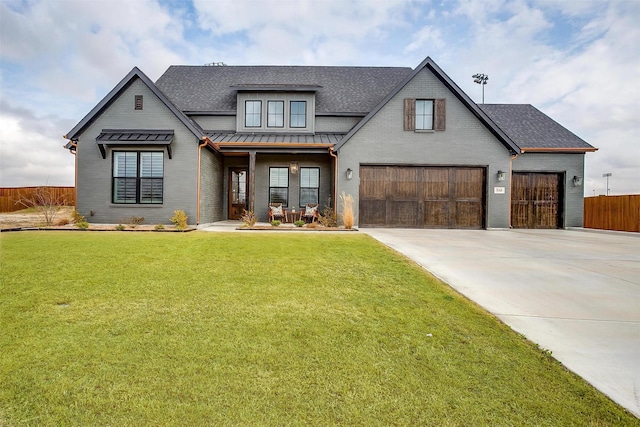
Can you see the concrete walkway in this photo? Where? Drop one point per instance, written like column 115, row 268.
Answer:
column 576, row 293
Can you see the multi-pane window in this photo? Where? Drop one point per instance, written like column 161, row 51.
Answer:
column 309, row 185
column 424, row 114
column 138, row 176
column 275, row 114
column 252, row 113
column 298, row 114
column 279, row 186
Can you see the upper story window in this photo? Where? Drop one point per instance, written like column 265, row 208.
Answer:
column 253, row 114
column 424, row 114
column 275, row 114
column 138, row 102
column 138, row 177
column 298, row 114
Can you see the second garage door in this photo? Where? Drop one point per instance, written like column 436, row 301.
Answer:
column 422, row 197
column 536, row 200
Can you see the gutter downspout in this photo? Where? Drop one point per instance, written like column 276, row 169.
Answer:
column 335, row 179
column 204, row 143
column 511, row 159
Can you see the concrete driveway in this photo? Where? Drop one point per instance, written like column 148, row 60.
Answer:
column 576, row 293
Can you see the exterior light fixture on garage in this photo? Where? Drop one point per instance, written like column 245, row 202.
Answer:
column 294, row 168
column 502, row 176
column 577, row 181
column 349, row 173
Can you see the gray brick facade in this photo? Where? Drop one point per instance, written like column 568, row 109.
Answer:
column 357, row 111
column 465, row 142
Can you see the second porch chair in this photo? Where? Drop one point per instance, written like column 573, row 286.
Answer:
column 310, row 212
column 276, row 212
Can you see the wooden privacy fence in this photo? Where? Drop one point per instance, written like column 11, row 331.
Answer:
column 9, row 196
column 621, row 213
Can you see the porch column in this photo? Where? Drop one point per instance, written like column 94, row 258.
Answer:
column 252, row 180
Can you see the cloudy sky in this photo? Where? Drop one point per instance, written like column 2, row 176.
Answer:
column 576, row 60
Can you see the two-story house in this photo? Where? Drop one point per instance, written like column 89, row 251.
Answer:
column 408, row 144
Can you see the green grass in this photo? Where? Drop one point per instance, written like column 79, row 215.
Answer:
column 133, row 329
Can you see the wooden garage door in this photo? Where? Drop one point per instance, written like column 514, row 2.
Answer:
column 536, row 200
column 421, row 197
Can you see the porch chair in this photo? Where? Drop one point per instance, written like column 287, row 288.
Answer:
column 276, row 212
column 310, row 212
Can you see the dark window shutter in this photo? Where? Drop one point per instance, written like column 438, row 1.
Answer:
column 409, row 114
column 440, row 119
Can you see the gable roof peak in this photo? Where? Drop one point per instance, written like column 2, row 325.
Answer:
column 455, row 90
column 135, row 73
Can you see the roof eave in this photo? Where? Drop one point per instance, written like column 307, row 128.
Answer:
column 558, row 150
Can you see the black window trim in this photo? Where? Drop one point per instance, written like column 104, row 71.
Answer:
column 137, row 178
column 301, row 187
column 433, row 113
column 259, row 115
column 291, row 114
column 279, row 101
column 286, row 203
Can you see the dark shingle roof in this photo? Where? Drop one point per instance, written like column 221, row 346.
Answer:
column 338, row 89
column 530, row 128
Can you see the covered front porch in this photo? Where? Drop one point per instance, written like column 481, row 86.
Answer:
column 261, row 169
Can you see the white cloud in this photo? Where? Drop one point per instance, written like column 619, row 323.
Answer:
column 427, row 38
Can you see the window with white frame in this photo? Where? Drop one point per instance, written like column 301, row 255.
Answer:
column 309, row 186
column 275, row 114
column 138, row 177
column 279, row 186
column 252, row 114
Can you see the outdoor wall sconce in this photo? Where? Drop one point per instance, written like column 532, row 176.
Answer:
column 502, row 176
column 349, row 173
column 577, row 181
column 294, row 168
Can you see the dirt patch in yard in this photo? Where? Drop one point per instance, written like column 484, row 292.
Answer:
column 32, row 218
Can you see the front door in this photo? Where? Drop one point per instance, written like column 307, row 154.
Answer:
column 237, row 192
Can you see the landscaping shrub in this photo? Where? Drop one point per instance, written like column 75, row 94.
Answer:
column 179, row 219
column 248, row 218
column 135, row 221
column 347, row 210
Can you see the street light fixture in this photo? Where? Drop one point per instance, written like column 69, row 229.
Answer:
column 481, row 79
column 607, row 175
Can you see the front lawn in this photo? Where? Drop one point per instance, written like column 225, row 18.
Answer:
column 133, row 329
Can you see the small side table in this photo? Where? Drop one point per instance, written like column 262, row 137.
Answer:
column 293, row 216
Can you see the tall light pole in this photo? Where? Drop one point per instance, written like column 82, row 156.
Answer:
column 607, row 175
column 481, row 79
